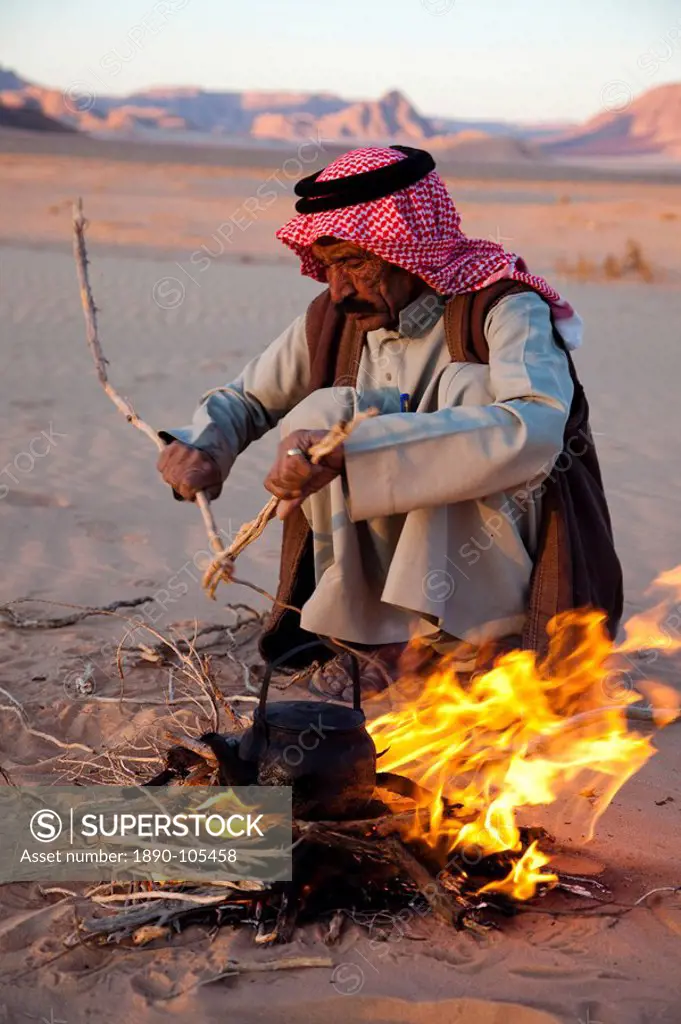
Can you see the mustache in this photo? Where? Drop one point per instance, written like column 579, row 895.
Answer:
column 355, row 306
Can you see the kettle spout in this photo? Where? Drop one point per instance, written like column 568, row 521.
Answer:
column 232, row 769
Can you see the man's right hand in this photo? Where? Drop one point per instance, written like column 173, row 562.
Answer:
column 189, row 470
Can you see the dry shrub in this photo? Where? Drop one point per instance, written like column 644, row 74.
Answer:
column 632, row 264
column 611, row 267
column 635, row 263
column 583, row 269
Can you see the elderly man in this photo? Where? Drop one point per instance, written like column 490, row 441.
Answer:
column 470, row 510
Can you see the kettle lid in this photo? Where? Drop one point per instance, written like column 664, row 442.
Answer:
column 321, row 716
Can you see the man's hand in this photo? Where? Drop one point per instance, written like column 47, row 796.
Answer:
column 293, row 478
column 189, row 471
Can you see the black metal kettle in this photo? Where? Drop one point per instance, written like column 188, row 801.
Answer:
column 321, row 749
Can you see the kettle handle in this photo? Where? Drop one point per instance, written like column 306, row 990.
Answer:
column 354, row 672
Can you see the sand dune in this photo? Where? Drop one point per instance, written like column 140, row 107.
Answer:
column 624, row 126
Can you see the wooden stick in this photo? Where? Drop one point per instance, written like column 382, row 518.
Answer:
column 291, row 963
column 203, row 750
column 17, row 622
column 333, row 932
column 338, row 433
column 285, row 924
column 17, row 709
column 101, row 362
column 122, row 923
column 441, row 906
column 222, row 566
column 184, row 897
column 391, row 850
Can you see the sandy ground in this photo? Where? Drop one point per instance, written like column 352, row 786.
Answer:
column 85, row 519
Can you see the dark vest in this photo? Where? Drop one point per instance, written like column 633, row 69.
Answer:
column 575, row 564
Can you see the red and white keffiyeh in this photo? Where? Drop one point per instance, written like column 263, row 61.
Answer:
column 418, row 228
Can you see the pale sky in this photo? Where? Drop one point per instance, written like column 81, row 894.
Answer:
column 526, row 60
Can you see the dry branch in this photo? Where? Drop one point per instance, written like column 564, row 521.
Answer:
column 122, row 404
column 202, row 749
column 17, row 622
column 222, row 566
column 17, row 709
column 338, row 433
column 289, row 963
column 163, row 894
column 333, row 932
column 192, row 664
column 124, row 923
column 234, row 967
column 439, row 902
column 193, row 676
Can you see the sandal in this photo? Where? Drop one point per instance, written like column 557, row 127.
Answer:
column 333, row 679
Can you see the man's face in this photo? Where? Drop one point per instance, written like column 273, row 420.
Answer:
column 365, row 287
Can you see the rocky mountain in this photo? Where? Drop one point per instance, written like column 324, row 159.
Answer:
column 260, row 115
column 266, row 115
column 10, row 80
column 229, row 113
column 650, row 125
column 390, row 117
column 28, row 117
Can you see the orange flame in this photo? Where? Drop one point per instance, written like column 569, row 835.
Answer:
column 523, row 735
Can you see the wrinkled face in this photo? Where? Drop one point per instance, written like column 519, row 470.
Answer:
column 363, row 285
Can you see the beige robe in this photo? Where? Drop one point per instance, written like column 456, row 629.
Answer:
column 433, row 525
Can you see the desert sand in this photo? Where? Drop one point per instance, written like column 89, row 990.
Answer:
column 86, row 520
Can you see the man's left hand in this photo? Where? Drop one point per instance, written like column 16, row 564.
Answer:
column 293, row 478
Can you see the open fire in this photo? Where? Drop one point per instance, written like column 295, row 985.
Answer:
column 466, row 769
column 526, row 734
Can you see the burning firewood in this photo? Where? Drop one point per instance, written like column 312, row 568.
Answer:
column 438, row 833
column 436, row 828
column 369, row 861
